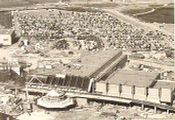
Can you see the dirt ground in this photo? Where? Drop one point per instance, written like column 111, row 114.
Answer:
column 91, row 112
column 169, row 28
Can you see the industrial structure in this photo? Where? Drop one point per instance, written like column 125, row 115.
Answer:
column 107, row 82
column 80, row 74
column 55, row 100
column 101, row 74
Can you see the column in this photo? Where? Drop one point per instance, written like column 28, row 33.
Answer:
column 143, row 106
column 168, row 112
column 155, row 109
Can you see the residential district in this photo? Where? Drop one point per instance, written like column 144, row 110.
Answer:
column 74, row 60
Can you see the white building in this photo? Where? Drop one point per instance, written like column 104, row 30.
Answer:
column 6, row 36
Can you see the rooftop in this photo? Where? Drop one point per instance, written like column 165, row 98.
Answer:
column 83, row 66
column 90, row 63
column 6, row 31
column 130, row 77
column 165, row 84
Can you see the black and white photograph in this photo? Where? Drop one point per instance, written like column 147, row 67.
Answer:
column 87, row 60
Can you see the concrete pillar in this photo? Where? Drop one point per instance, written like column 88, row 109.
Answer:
column 143, row 107
column 155, row 109
column 168, row 111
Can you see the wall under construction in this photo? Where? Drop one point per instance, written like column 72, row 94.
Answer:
column 69, row 82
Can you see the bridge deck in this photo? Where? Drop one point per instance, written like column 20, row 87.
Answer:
column 106, row 98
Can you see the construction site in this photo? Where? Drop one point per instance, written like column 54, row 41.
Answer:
column 65, row 61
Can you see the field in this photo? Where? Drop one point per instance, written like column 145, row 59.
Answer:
column 169, row 28
column 134, row 11
column 79, row 9
column 102, row 5
column 5, row 19
column 17, row 3
column 13, row 3
column 161, row 15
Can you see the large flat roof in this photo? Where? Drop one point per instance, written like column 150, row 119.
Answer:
column 90, row 63
column 165, row 84
column 131, row 77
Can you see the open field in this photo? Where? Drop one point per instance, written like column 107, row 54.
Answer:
column 160, row 15
column 79, row 9
column 6, row 19
column 169, row 28
column 163, row 15
column 101, row 5
column 17, row 3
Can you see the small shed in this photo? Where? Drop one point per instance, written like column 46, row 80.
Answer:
column 7, row 36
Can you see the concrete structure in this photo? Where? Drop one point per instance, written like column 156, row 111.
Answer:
column 6, row 36
column 106, row 64
column 165, row 84
column 55, row 100
column 101, row 88
column 95, row 65
column 166, row 95
column 113, row 90
column 127, row 91
column 167, row 90
column 108, row 98
column 140, row 93
column 115, row 65
column 91, row 65
column 80, row 73
column 131, row 77
column 153, row 95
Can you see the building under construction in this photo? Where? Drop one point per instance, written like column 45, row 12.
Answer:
column 101, row 76
column 80, row 74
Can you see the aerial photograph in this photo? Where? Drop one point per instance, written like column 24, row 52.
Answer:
column 87, row 60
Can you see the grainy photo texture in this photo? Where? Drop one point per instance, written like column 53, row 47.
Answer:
column 87, row 60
